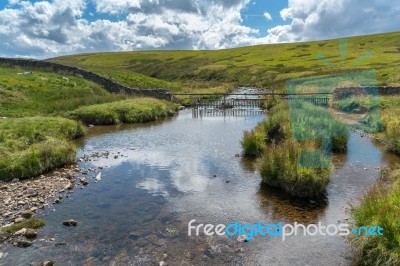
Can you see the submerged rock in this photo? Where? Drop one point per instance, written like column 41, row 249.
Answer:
column 70, row 223
column 23, row 243
column 47, row 263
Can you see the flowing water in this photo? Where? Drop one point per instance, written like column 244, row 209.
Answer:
column 159, row 176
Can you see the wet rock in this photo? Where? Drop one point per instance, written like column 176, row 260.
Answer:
column 32, row 193
column 23, row 243
column 27, row 214
column 47, row 263
column 70, row 186
column 30, row 234
column 116, row 157
column 20, row 232
column 84, row 181
column 242, row 238
column 70, row 223
column 237, row 155
column 134, row 235
column 98, row 177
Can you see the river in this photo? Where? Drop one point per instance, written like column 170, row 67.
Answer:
column 161, row 175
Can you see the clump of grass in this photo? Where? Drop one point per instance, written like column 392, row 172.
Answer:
column 37, row 159
column 138, row 110
column 379, row 207
column 309, row 122
column 253, row 143
column 392, row 135
column 349, row 105
column 295, row 142
column 35, row 145
column 32, row 223
column 280, row 167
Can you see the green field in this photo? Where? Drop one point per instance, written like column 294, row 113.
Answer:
column 262, row 65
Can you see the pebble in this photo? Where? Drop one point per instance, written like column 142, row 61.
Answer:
column 19, row 220
column 242, row 238
column 20, row 232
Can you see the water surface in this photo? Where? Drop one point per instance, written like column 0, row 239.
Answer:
column 161, row 175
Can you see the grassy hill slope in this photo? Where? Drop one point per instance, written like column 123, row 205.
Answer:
column 262, row 65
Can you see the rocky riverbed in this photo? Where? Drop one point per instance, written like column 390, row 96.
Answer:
column 19, row 198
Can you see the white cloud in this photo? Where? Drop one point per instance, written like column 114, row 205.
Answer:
column 268, row 16
column 13, row 2
column 51, row 28
column 322, row 19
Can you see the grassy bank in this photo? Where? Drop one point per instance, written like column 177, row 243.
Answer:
column 294, row 144
column 380, row 206
column 382, row 117
column 36, row 127
column 34, row 145
column 137, row 110
column 46, row 93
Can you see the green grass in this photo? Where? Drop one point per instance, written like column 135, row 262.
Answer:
column 293, row 153
column 383, row 119
column 34, row 145
column 137, row 110
column 280, row 167
column 35, row 139
column 379, row 207
column 253, row 142
column 262, row 65
column 32, row 223
column 46, row 93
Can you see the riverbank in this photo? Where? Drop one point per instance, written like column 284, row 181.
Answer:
column 41, row 115
column 380, row 205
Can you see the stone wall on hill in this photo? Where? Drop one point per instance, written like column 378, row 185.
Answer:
column 108, row 84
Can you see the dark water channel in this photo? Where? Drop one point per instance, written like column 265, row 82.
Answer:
column 168, row 173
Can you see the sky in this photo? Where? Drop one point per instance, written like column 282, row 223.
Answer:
column 49, row 28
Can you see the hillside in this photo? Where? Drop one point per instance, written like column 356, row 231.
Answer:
column 25, row 93
column 262, row 65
